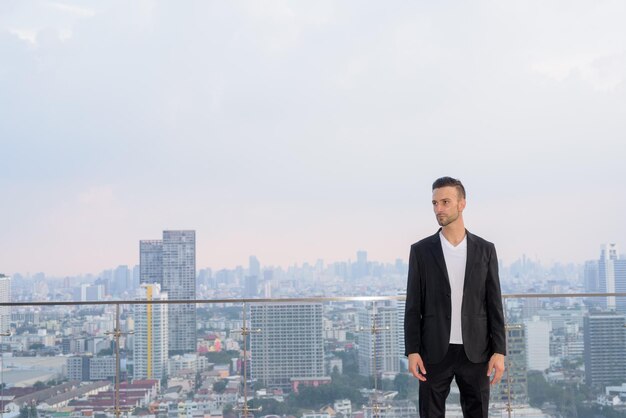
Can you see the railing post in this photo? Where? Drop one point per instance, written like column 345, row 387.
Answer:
column 245, row 331
column 117, row 333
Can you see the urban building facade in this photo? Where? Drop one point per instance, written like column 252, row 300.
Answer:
column 605, row 345
column 286, row 342
column 377, row 339
column 5, row 296
column 151, row 338
column 171, row 262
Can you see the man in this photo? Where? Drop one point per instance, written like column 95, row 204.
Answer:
column 454, row 322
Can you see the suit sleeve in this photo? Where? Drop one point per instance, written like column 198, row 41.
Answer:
column 412, row 313
column 495, row 312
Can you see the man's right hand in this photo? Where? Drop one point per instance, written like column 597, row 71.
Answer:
column 416, row 366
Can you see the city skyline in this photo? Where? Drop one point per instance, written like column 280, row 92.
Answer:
column 293, row 129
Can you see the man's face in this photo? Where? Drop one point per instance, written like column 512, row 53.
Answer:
column 447, row 205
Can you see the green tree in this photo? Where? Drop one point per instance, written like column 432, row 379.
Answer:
column 220, row 386
column 39, row 385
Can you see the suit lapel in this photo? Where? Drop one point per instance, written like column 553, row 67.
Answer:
column 471, row 252
column 435, row 247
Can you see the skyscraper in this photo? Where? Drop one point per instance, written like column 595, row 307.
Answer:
column 606, row 273
column 254, row 267
column 605, row 345
column 378, row 340
column 171, row 262
column 179, row 281
column 151, row 261
column 620, row 284
column 151, row 334
column 5, row 296
column 289, row 345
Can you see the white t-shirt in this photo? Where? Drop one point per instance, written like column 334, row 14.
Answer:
column 456, row 259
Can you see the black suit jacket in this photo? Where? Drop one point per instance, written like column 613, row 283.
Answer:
column 429, row 307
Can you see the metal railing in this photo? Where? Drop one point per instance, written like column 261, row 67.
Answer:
column 245, row 330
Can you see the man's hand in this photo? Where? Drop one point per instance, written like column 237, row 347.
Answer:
column 496, row 363
column 416, row 366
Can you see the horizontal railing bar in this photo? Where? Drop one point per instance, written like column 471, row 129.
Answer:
column 291, row 300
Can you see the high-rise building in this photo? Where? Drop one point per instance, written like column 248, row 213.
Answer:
column 537, row 344
column 254, row 267
column 151, row 261
column 591, row 279
column 289, row 343
column 151, row 334
column 605, row 345
column 179, row 281
column 5, row 296
column 171, row 262
column 122, row 280
column 400, row 308
column 620, row 284
column 378, row 340
column 514, row 383
column 361, row 267
column 606, row 273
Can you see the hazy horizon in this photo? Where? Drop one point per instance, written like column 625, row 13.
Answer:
column 296, row 131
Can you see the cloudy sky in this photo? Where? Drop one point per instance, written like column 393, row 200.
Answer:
column 304, row 130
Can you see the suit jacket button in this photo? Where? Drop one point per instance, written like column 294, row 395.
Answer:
column 448, row 316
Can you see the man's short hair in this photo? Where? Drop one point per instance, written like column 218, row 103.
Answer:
column 450, row 182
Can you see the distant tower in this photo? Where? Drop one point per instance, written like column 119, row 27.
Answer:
column 361, row 267
column 151, row 261
column 254, row 267
column 151, row 334
column 619, row 267
column 289, row 345
column 591, row 279
column 171, row 262
column 179, row 281
column 378, row 352
column 5, row 296
column 605, row 345
column 606, row 273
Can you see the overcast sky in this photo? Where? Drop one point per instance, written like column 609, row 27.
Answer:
column 304, row 130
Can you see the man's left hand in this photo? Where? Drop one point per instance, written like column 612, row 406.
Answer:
column 496, row 366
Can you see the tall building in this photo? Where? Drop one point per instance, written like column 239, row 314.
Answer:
column 606, row 273
column 179, row 281
column 171, row 262
column 151, row 261
column 5, row 296
column 514, row 383
column 122, row 280
column 537, row 344
column 591, row 279
column 378, row 340
column 620, row 284
column 151, row 334
column 605, row 345
column 254, row 267
column 401, row 308
column 289, row 343
column 361, row 267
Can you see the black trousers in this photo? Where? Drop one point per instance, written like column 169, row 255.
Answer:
column 471, row 379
